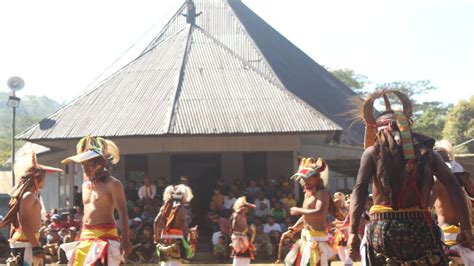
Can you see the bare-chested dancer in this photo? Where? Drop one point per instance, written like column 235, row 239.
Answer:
column 313, row 247
column 171, row 230
column 445, row 210
column 400, row 165
column 25, row 212
column 242, row 247
column 99, row 242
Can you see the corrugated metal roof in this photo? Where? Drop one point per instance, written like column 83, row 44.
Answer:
column 209, row 78
column 301, row 74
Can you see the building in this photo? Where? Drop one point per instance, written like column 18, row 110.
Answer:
column 218, row 93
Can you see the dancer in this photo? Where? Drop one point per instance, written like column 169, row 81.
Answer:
column 242, row 246
column 24, row 212
column 99, row 242
column 401, row 165
column 445, row 211
column 171, row 230
column 313, row 247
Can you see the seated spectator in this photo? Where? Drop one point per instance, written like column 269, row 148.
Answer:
column 52, row 244
column 77, row 197
column 286, row 187
column 147, row 247
column 71, row 236
column 131, row 191
column 269, row 188
column 51, row 213
column 229, row 201
column 56, row 223
column 148, row 214
column 137, row 223
column 136, row 212
column 263, row 206
column 289, row 201
column 263, row 243
column 278, row 213
column 286, row 224
column 237, row 186
column 160, row 187
column 223, row 187
column 217, row 201
column 220, row 223
column 70, row 222
column 220, row 250
column 273, row 230
column 148, row 191
column 79, row 213
column 251, row 191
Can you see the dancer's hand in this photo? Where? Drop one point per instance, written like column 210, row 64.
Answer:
column 156, row 237
column 465, row 239
column 354, row 247
column 295, row 210
column 126, row 246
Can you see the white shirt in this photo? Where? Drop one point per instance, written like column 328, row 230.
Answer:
column 142, row 191
column 215, row 237
column 229, row 203
column 267, row 228
column 259, row 212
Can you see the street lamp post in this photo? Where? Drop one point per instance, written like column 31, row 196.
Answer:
column 15, row 84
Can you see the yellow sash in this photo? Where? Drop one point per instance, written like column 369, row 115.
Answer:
column 382, row 209
column 88, row 236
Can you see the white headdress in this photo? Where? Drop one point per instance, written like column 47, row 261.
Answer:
column 179, row 192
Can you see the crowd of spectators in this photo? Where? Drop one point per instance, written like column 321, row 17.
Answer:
column 273, row 199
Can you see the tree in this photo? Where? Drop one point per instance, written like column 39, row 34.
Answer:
column 351, row 79
column 460, row 124
column 430, row 119
column 409, row 88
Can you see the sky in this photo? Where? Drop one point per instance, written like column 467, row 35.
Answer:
column 62, row 47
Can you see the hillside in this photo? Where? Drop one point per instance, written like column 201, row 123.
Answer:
column 32, row 109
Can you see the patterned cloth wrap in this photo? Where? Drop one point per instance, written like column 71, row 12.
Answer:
column 457, row 254
column 98, row 244
column 21, row 250
column 311, row 249
column 173, row 246
column 403, row 236
column 241, row 245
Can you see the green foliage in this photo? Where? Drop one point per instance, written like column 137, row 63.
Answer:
column 429, row 118
column 32, row 109
column 409, row 88
column 460, row 124
column 351, row 79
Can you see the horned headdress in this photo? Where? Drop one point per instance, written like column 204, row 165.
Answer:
column 401, row 118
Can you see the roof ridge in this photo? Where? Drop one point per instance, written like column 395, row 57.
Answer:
column 179, row 82
column 156, row 41
column 277, row 81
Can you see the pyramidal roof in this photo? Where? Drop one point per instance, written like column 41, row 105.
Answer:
column 221, row 70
